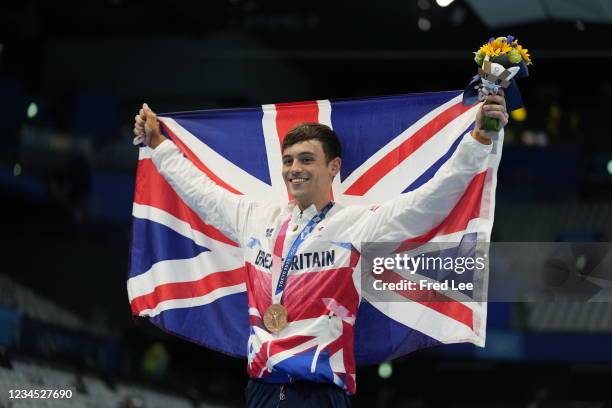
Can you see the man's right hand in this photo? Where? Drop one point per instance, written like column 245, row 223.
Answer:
column 146, row 128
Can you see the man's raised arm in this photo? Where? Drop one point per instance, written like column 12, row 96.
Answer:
column 416, row 213
column 218, row 207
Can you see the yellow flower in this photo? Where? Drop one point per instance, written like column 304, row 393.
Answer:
column 495, row 48
column 524, row 53
column 502, row 46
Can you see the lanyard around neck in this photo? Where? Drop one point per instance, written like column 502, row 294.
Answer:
column 282, row 279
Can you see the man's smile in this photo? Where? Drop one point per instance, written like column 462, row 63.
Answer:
column 298, row 180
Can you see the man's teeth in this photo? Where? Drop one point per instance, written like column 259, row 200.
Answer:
column 298, row 180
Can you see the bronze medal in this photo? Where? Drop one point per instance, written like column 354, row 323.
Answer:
column 275, row 318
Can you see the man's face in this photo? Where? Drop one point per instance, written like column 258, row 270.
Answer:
column 307, row 174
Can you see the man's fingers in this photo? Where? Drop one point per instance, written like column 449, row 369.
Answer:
column 492, row 107
column 495, row 114
column 138, row 140
column 139, row 124
column 146, row 108
column 496, row 111
column 146, row 126
column 151, row 122
column 496, row 99
column 503, row 117
column 139, row 130
column 144, row 121
column 493, row 110
column 495, row 107
column 147, row 114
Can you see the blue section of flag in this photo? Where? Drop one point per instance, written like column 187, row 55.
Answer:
column 372, row 326
column 190, row 322
column 153, row 242
column 235, row 134
column 364, row 126
column 300, row 364
column 465, row 249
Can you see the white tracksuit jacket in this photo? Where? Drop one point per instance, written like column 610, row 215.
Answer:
column 322, row 293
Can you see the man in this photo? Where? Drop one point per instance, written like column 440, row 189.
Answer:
column 302, row 258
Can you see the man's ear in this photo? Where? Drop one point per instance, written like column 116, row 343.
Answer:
column 334, row 166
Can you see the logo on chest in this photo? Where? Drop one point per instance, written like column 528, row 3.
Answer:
column 305, row 260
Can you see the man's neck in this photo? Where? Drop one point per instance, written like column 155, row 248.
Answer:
column 319, row 204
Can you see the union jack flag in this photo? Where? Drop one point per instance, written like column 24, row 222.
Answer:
column 189, row 278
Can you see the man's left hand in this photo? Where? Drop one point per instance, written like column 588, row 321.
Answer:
column 494, row 107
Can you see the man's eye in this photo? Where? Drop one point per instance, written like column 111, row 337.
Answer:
column 307, row 160
column 286, row 162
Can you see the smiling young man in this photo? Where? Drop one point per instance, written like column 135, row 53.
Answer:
column 311, row 159
column 302, row 258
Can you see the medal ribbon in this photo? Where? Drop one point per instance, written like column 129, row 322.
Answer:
column 282, row 279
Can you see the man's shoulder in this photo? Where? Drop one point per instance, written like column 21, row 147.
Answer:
column 269, row 209
column 353, row 210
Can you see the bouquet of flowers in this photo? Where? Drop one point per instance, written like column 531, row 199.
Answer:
column 500, row 61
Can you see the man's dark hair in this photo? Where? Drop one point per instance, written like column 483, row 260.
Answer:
column 317, row 131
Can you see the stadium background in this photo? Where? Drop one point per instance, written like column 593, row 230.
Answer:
column 73, row 74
